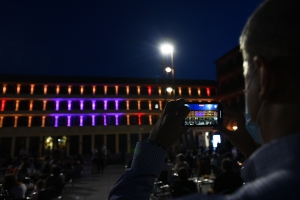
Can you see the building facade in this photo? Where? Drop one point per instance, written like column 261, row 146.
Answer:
column 231, row 84
column 78, row 114
column 230, row 78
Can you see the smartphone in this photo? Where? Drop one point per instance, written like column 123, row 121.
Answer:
column 204, row 114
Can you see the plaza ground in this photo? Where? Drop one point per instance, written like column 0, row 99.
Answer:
column 93, row 186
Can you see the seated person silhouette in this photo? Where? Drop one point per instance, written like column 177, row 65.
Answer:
column 228, row 181
column 14, row 188
column 39, row 192
column 180, row 163
column 55, row 181
column 166, row 172
column 182, row 186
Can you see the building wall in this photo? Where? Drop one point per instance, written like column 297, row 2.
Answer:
column 230, row 78
column 230, row 81
column 80, row 117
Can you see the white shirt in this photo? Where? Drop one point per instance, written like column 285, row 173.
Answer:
column 18, row 192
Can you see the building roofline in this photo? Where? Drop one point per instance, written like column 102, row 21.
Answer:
column 51, row 79
column 228, row 53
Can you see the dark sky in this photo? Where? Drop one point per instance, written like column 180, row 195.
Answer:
column 118, row 37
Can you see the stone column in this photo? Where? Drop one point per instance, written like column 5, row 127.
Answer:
column 80, row 144
column 117, row 143
column 12, row 149
column 128, row 142
column 93, row 142
column 41, row 146
column 68, row 146
column 27, row 145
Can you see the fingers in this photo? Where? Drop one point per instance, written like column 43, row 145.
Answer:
column 172, row 107
column 176, row 105
column 167, row 108
column 178, row 115
column 183, row 112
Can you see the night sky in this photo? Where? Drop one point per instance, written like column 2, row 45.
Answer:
column 118, row 38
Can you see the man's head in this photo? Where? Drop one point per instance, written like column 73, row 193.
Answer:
column 272, row 32
column 180, row 158
column 269, row 43
column 271, row 37
column 227, row 165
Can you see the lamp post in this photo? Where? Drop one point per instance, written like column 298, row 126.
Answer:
column 167, row 49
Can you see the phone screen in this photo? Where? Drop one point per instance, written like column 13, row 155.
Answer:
column 203, row 114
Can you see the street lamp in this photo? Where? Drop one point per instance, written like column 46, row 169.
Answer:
column 168, row 49
column 169, row 89
column 168, row 69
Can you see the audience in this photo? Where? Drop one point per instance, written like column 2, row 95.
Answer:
column 182, row 186
column 77, row 168
column 45, row 172
column 95, row 160
column 166, row 173
column 228, row 181
column 32, row 166
column 14, row 188
column 55, row 181
column 38, row 188
column 180, row 163
column 43, row 180
column 13, row 167
column 67, row 169
column 23, row 171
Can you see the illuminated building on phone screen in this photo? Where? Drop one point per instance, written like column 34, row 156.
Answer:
column 81, row 113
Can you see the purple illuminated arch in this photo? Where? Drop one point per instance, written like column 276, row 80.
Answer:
column 117, row 104
column 69, row 105
column 69, row 121
column 93, row 105
column 117, row 120
column 104, row 118
column 105, row 104
column 56, row 121
column 81, row 104
column 81, row 120
column 93, row 120
column 56, row 105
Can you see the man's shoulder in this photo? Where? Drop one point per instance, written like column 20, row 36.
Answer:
column 280, row 184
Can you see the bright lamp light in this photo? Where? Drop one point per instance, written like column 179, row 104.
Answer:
column 168, row 69
column 234, row 127
column 169, row 89
column 166, row 48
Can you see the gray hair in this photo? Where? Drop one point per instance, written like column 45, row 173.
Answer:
column 273, row 31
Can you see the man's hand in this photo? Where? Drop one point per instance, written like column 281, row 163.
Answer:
column 167, row 129
column 240, row 138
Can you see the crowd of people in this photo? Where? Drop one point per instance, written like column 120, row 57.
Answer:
column 99, row 159
column 180, row 172
column 42, row 178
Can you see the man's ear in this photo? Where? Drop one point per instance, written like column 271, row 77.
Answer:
column 265, row 77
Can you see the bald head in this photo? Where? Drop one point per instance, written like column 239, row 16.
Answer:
column 273, row 32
